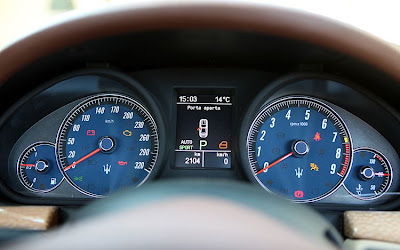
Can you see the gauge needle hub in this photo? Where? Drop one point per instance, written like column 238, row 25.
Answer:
column 275, row 162
column 82, row 159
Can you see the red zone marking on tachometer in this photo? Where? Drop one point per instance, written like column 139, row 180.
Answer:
column 346, row 160
column 379, row 158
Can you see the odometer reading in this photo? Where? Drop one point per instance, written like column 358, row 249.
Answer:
column 299, row 148
column 107, row 142
column 203, row 130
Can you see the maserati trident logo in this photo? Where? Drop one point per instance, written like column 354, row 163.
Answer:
column 299, row 172
column 107, row 168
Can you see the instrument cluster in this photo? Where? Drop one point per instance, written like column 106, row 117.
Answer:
column 303, row 137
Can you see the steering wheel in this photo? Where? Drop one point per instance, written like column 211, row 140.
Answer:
column 196, row 213
column 192, row 214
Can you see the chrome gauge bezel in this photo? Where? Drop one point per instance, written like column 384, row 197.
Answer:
column 20, row 159
column 256, row 120
column 390, row 169
column 93, row 98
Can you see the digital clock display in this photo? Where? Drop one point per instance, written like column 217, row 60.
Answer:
column 203, row 135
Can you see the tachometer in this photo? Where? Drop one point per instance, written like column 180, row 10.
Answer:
column 299, row 148
column 107, row 142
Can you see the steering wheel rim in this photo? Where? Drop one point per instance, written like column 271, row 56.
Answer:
column 193, row 214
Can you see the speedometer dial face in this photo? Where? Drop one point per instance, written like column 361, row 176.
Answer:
column 299, row 148
column 107, row 142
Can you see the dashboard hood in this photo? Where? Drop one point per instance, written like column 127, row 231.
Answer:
column 253, row 16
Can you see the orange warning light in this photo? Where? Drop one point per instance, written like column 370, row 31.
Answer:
column 314, row 166
column 317, row 136
column 223, row 145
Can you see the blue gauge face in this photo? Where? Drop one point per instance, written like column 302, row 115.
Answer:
column 37, row 168
column 299, row 148
column 106, row 143
column 370, row 175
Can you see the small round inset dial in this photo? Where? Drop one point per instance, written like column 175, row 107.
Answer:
column 37, row 168
column 370, row 176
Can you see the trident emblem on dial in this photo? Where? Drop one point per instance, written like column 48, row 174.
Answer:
column 299, row 172
column 107, row 168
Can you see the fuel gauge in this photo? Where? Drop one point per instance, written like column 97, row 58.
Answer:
column 37, row 167
column 370, row 176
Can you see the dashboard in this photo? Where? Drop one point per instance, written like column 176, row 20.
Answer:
column 196, row 108
column 306, row 137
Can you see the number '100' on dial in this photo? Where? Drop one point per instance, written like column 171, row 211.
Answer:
column 299, row 148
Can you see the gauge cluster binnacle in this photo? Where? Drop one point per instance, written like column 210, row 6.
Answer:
column 93, row 132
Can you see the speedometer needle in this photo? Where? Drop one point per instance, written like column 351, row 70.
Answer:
column 27, row 165
column 82, row 159
column 275, row 162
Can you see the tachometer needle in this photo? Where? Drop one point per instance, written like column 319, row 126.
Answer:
column 275, row 162
column 82, row 159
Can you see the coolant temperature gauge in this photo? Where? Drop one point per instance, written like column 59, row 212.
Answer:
column 370, row 176
column 37, row 168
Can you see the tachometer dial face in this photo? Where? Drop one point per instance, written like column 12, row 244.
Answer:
column 299, row 148
column 37, row 168
column 370, row 175
column 107, row 142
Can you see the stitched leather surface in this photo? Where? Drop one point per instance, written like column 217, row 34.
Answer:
column 372, row 225
column 28, row 217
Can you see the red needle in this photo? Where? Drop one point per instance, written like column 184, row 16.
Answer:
column 82, row 159
column 381, row 174
column 275, row 162
column 27, row 165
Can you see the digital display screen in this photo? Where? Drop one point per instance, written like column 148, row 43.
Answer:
column 203, row 130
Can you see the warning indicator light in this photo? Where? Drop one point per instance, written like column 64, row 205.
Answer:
column 91, row 132
column 223, row 145
column 317, row 136
column 298, row 194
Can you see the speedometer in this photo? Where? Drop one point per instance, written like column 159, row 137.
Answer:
column 107, row 142
column 299, row 148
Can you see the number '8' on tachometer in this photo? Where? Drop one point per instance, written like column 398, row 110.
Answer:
column 299, row 148
column 107, row 142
